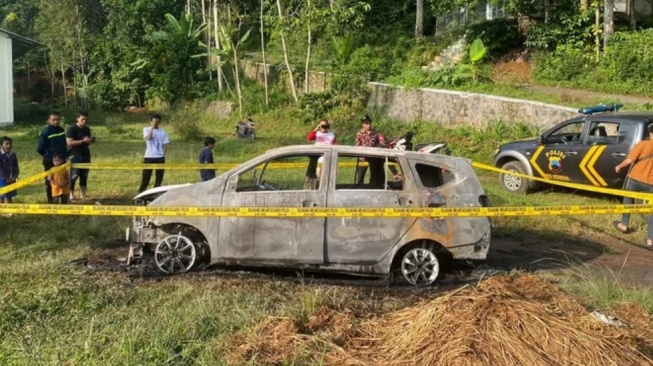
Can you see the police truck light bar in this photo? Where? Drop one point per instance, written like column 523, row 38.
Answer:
column 601, row 108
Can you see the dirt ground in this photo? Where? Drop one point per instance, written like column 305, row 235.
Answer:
column 632, row 262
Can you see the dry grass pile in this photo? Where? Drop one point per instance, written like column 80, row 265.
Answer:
column 504, row 320
column 279, row 340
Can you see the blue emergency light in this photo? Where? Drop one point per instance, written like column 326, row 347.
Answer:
column 601, row 108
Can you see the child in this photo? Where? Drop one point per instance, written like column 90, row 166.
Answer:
column 59, row 182
column 8, row 169
column 206, row 157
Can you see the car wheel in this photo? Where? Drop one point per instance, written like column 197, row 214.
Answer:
column 175, row 254
column 420, row 266
column 513, row 183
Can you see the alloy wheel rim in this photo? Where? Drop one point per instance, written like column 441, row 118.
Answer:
column 420, row 266
column 511, row 181
column 175, row 254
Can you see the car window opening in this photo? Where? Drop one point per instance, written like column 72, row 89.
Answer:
column 288, row 173
column 369, row 173
column 607, row 133
column 434, row 176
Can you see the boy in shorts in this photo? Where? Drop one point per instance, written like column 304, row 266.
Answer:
column 8, row 168
column 59, row 182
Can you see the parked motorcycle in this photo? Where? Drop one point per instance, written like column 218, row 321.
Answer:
column 405, row 143
column 434, row 148
column 246, row 129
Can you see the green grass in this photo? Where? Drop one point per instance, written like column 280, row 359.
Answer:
column 56, row 312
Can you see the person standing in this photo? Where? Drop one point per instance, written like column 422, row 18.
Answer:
column 639, row 179
column 156, row 145
column 52, row 141
column 59, row 181
column 206, row 157
column 322, row 136
column 368, row 137
column 8, row 168
column 79, row 139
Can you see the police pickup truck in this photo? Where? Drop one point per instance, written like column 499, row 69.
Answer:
column 584, row 149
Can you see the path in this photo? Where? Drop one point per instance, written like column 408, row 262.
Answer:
column 588, row 94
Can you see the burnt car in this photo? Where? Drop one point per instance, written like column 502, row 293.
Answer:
column 415, row 248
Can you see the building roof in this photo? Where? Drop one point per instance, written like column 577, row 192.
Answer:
column 20, row 44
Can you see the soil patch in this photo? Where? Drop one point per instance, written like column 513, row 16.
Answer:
column 515, row 67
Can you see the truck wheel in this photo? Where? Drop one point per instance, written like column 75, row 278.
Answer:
column 511, row 183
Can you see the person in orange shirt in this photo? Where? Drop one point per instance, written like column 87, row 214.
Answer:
column 640, row 179
column 59, row 182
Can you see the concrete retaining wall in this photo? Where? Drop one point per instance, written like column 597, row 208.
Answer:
column 453, row 107
column 444, row 106
column 317, row 81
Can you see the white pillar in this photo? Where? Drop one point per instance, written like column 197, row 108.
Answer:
column 489, row 11
column 6, row 81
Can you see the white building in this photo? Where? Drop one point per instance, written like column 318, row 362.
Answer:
column 12, row 46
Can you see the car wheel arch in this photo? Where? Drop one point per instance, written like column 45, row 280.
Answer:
column 509, row 156
column 196, row 235
column 444, row 256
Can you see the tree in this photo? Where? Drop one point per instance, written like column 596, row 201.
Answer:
column 170, row 61
column 282, row 24
column 608, row 21
column 229, row 46
column 63, row 26
column 419, row 19
column 265, row 65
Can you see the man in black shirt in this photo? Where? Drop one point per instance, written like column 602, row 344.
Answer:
column 78, row 139
column 52, row 142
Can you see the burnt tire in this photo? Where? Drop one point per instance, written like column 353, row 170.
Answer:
column 514, row 184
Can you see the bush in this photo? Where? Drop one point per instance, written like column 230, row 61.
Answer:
column 499, row 35
column 624, row 67
column 187, row 126
column 566, row 63
column 115, row 124
column 25, row 112
column 629, row 57
column 569, row 29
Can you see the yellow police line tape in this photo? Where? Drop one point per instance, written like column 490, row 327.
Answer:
column 33, row 179
column 140, row 166
column 583, row 187
column 298, row 212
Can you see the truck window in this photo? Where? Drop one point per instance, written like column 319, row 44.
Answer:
column 608, row 133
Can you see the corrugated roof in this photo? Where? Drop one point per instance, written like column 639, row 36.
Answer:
column 20, row 44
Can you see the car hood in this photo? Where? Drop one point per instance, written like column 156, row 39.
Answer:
column 198, row 194
column 517, row 143
column 159, row 190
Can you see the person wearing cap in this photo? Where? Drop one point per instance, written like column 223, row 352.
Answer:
column 322, row 136
column 639, row 179
column 368, row 137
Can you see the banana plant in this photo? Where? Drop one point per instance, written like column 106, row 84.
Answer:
column 477, row 52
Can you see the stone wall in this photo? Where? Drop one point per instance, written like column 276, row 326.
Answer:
column 453, row 107
column 317, row 81
column 445, row 106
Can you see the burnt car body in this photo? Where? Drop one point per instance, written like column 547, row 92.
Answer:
column 288, row 177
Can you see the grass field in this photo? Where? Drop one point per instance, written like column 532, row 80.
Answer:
column 53, row 311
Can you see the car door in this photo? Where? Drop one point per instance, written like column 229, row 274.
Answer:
column 367, row 239
column 561, row 152
column 609, row 142
column 281, row 181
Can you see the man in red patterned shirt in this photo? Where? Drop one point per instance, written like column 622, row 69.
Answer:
column 367, row 136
